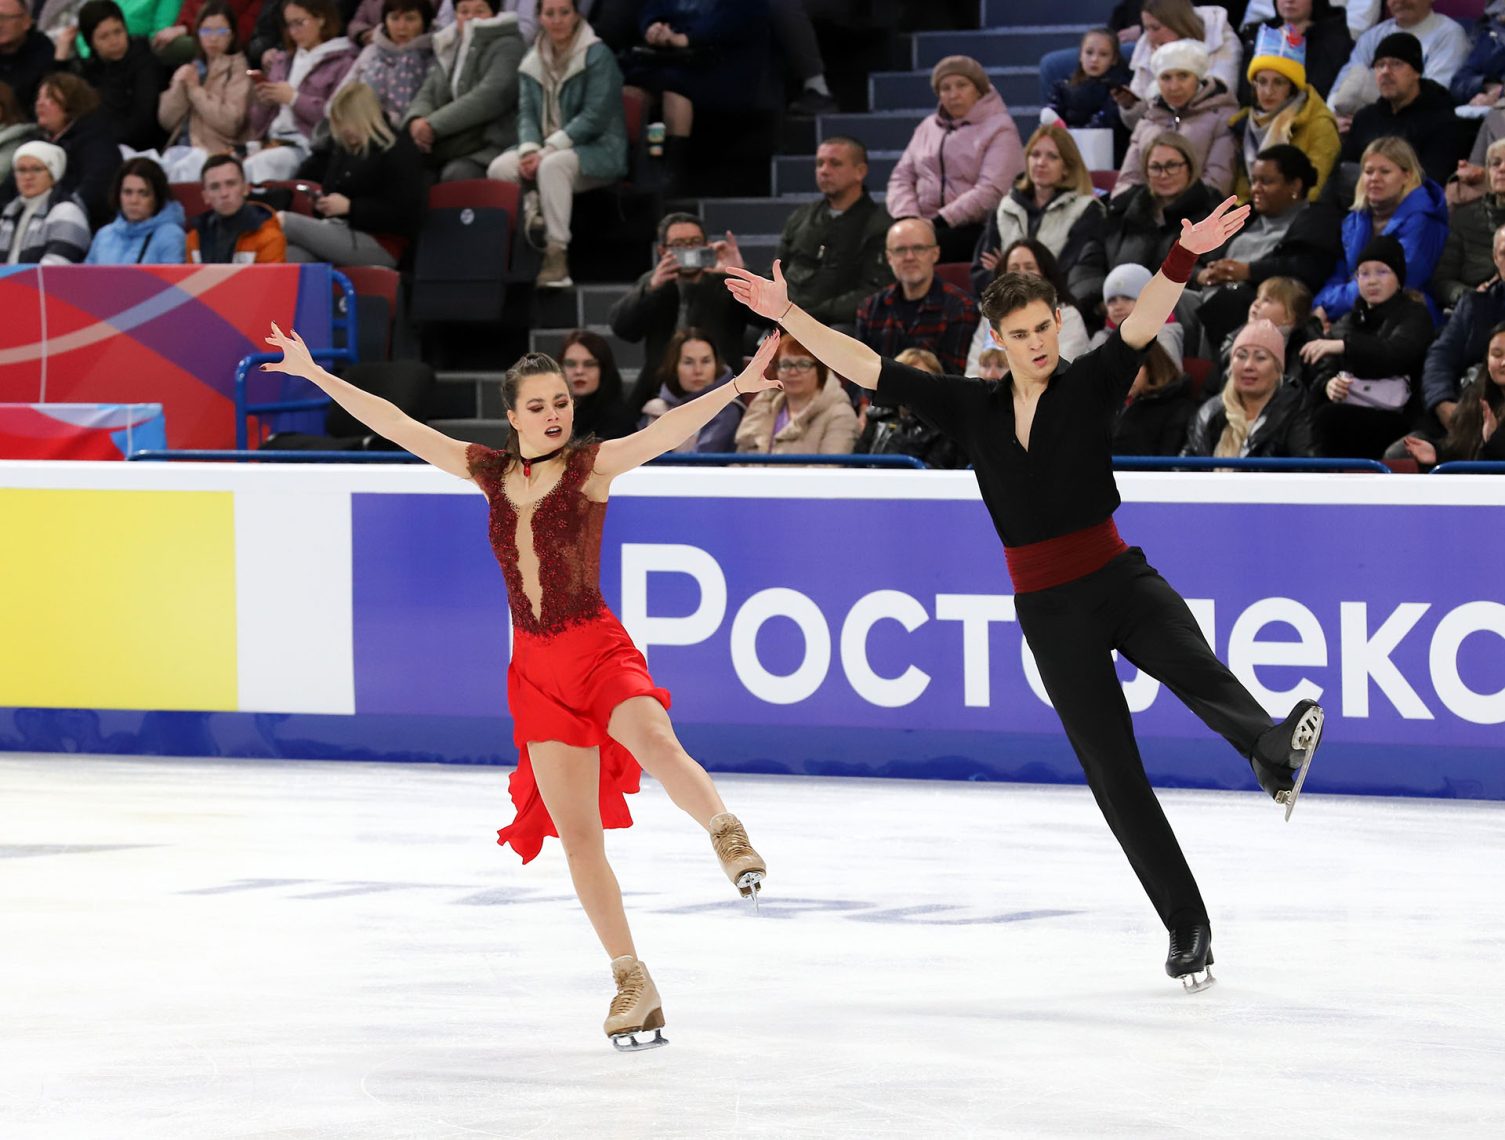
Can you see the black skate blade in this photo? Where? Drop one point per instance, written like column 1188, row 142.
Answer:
column 1197, row 981
column 1289, row 798
column 629, row 1043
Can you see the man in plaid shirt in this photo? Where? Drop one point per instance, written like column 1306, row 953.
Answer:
column 918, row 310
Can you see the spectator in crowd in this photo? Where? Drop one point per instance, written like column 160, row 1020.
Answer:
column 692, row 365
column 1286, row 110
column 1084, row 99
column 1165, row 21
column 465, row 114
column 992, row 364
column 1286, row 236
column 67, row 110
column 1461, row 343
column 1467, row 261
column 15, row 129
column 1409, row 107
column 233, row 229
column 526, row 12
column 1480, row 80
column 398, row 57
column 123, row 72
column 179, row 42
column 1324, row 36
column 1191, row 105
column 1363, row 375
column 1444, row 48
column 1473, row 431
column 1394, row 197
column 148, row 225
column 25, row 53
column 831, row 250
column 1358, row 15
column 809, row 415
column 960, row 161
column 590, row 369
column 1026, row 255
column 372, row 192
column 368, row 17
column 43, row 224
column 1287, row 304
column 1121, row 289
column 294, row 86
column 1159, row 409
column 207, row 106
column 895, row 430
column 698, row 54
column 1143, row 224
column 571, row 131
column 1255, row 415
column 918, row 310
column 1054, row 203
column 686, row 289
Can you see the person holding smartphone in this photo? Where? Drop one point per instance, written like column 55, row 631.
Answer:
column 684, row 289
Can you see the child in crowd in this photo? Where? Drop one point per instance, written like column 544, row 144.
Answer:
column 1086, row 98
column 992, row 364
column 1287, row 304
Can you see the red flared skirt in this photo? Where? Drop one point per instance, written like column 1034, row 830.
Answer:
column 563, row 688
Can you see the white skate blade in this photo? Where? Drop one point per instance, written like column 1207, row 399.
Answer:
column 1197, row 981
column 629, row 1043
column 1311, row 724
column 750, row 883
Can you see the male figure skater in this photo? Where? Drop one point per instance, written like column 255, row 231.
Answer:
column 1039, row 443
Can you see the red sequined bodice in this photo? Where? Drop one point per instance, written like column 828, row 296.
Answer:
column 550, row 549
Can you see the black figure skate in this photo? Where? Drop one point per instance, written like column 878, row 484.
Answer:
column 1284, row 753
column 1190, row 957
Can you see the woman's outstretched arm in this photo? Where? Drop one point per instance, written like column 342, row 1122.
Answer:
column 381, row 416
column 679, row 424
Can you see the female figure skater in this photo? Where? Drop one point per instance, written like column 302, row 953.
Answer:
column 585, row 710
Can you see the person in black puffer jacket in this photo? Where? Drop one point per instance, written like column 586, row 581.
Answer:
column 1159, row 408
column 1362, row 378
column 372, row 188
column 1256, row 416
column 1143, row 223
column 895, row 430
column 123, row 72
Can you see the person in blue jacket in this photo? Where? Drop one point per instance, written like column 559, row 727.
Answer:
column 148, row 225
column 1394, row 197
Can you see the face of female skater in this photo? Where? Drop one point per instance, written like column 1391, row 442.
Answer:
column 697, row 366
column 1031, row 337
column 1255, row 372
column 544, row 415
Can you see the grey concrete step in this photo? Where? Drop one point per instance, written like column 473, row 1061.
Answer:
column 876, row 130
column 749, row 215
column 1013, row 13
column 899, row 90
column 625, row 354
column 1002, row 47
column 489, row 432
column 596, row 302
column 795, row 173
column 483, row 391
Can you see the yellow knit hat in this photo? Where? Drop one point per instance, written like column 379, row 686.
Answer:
column 1282, row 50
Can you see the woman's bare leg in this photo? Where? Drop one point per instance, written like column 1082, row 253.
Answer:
column 569, row 781
column 641, row 725
column 679, row 115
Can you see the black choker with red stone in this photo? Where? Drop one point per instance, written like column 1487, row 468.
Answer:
column 528, row 463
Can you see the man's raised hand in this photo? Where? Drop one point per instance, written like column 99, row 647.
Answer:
column 1213, row 231
column 769, row 299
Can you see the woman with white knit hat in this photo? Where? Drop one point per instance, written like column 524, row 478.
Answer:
column 38, row 226
column 1193, row 106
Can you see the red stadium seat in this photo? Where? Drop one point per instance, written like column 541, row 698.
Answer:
column 635, row 110
column 957, row 273
column 1104, row 180
column 469, row 250
column 1403, row 466
column 376, row 291
column 190, row 196
column 1198, row 370
column 302, row 191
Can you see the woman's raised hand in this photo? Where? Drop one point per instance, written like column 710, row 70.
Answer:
column 754, row 377
column 296, row 359
column 769, row 299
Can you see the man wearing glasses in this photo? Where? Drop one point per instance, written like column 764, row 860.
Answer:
column 25, row 53
column 684, row 290
column 918, row 310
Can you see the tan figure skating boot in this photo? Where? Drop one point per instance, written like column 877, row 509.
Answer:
column 636, row 1008
column 743, row 866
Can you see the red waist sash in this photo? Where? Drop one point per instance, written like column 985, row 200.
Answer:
column 1056, row 561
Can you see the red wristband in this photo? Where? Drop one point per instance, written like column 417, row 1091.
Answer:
column 1178, row 264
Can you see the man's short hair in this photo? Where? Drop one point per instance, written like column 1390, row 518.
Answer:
column 1292, row 163
column 1014, row 291
column 217, row 160
column 846, row 140
column 679, row 218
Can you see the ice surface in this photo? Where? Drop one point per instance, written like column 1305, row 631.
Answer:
column 205, row 949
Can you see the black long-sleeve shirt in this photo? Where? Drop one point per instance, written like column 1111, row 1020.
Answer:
column 1064, row 481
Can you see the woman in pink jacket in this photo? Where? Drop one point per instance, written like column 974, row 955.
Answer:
column 1195, row 106
column 961, row 161
column 288, row 98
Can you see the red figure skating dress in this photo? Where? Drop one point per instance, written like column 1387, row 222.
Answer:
column 572, row 662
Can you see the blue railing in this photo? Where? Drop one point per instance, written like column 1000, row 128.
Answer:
column 342, row 326
column 758, row 459
column 1470, row 467
column 1213, row 463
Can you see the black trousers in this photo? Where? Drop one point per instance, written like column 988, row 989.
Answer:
column 1072, row 631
